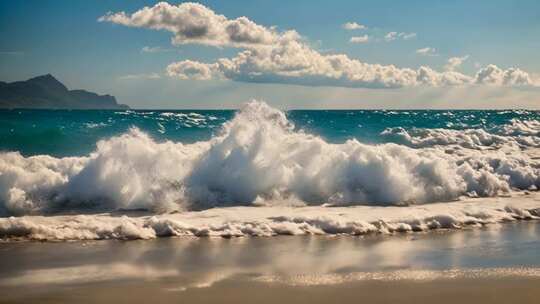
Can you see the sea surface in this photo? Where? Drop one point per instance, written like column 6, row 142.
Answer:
column 62, row 133
column 261, row 171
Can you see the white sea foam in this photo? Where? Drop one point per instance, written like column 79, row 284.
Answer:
column 516, row 135
column 189, row 119
column 521, row 127
column 258, row 158
column 91, row 125
column 271, row 221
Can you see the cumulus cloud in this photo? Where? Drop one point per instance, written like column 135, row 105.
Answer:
column 427, row 51
column 493, row 75
column 359, row 39
column 427, row 76
column 391, row 36
column 272, row 56
column 354, row 26
column 188, row 69
column 455, row 62
column 296, row 63
column 195, row 23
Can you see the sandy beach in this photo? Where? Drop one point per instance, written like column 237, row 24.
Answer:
column 498, row 263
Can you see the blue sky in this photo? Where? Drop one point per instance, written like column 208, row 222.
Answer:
column 64, row 38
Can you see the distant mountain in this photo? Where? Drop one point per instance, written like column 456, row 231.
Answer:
column 46, row 92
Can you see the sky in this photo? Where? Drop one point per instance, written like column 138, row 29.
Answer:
column 294, row 54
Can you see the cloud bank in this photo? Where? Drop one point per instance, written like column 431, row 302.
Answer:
column 267, row 55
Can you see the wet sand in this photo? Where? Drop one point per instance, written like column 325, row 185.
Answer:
column 234, row 291
column 495, row 264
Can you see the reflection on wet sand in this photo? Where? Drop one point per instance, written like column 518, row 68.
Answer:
column 174, row 265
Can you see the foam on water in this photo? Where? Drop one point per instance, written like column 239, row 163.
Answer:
column 516, row 134
column 275, row 220
column 478, row 139
column 259, row 158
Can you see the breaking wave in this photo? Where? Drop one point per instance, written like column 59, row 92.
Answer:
column 259, row 158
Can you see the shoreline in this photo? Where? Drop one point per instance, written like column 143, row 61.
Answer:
column 277, row 220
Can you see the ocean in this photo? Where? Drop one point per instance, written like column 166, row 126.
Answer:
column 261, row 171
column 61, row 133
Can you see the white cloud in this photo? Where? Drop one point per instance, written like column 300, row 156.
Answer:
column 493, row 75
column 195, row 23
column 154, row 49
column 455, row 62
column 188, row 69
column 140, row 76
column 296, row 63
column 391, row 36
column 270, row 56
column 354, row 26
column 407, row 36
column 427, row 51
column 429, row 77
column 359, row 39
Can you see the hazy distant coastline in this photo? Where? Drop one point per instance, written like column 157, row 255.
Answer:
column 46, row 92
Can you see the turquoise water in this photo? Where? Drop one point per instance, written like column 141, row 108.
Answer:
column 75, row 133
